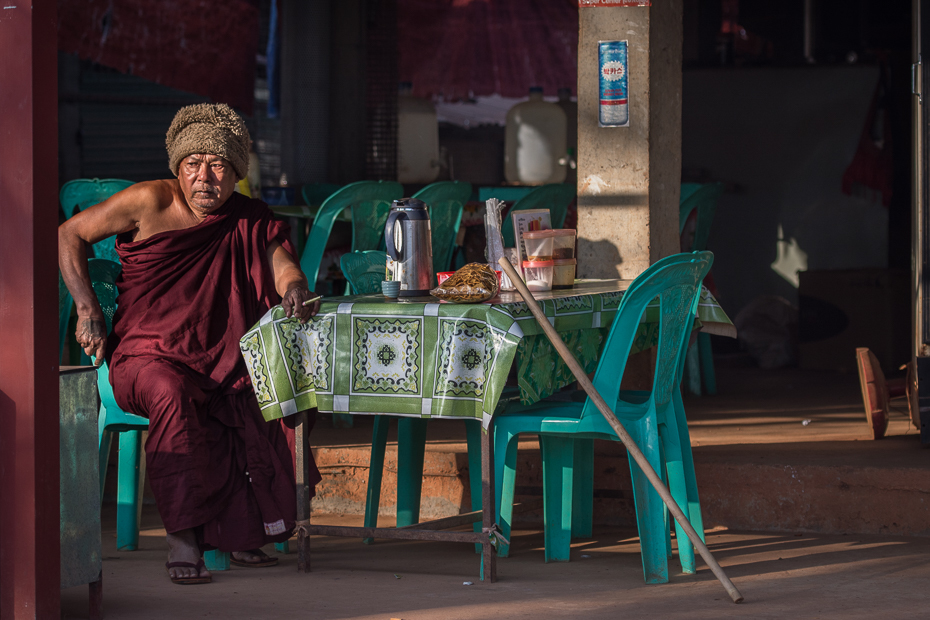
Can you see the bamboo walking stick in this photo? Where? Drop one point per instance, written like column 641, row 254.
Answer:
column 631, row 446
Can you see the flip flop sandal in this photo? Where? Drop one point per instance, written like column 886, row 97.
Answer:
column 266, row 562
column 187, row 581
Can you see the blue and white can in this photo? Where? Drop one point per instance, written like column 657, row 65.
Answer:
column 614, row 108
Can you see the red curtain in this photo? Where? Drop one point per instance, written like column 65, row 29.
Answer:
column 463, row 48
column 206, row 47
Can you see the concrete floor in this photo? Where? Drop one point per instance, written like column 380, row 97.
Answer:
column 780, row 576
column 789, row 574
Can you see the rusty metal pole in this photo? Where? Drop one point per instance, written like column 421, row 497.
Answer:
column 488, row 552
column 29, row 428
column 302, row 445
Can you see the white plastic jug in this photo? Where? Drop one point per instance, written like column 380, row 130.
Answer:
column 417, row 138
column 571, row 135
column 534, row 142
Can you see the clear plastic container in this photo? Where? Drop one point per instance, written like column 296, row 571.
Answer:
column 538, row 275
column 563, row 243
column 563, row 273
column 538, row 245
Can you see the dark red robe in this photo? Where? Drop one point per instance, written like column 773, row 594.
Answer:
column 185, row 299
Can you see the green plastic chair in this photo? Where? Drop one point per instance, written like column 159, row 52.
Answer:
column 364, row 271
column 80, row 194
column 703, row 198
column 556, row 197
column 113, row 420
column 370, row 202
column 446, row 200
column 655, row 420
column 315, row 194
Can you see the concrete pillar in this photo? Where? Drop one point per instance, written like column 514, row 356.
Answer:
column 629, row 177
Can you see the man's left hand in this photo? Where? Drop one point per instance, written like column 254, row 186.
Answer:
column 293, row 303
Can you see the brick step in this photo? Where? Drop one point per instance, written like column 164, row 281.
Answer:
column 814, row 487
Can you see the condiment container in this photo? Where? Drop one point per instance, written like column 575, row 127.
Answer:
column 538, row 245
column 563, row 273
column 538, row 275
column 563, row 243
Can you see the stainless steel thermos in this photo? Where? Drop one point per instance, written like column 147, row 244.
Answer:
column 409, row 247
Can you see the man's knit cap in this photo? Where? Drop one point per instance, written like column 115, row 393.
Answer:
column 214, row 129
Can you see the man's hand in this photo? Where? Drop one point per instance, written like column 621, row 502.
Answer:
column 92, row 336
column 293, row 301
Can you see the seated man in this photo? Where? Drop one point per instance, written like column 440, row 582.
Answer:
column 201, row 265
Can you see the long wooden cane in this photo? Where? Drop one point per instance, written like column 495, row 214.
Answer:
column 618, row 428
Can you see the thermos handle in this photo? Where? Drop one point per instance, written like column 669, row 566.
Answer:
column 389, row 236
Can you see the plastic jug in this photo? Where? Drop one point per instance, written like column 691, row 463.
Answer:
column 534, row 142
column 417, row 138
column 571, row 135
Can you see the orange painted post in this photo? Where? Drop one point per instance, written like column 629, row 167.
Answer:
column 29, row 470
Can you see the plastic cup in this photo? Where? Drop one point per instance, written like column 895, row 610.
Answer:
column 538, row 245
column 563, row 273
column 538, row 275
column 563, row 244
column 390, row 288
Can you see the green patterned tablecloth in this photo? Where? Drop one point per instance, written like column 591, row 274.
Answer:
column 365, row 354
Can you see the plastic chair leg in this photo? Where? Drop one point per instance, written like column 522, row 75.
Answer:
column 283, row 547
column 131, row 478
column 558, row 475
column 216, row 560
column 687, row 461
column 707, row 363
column 583, row 485
column 105, row 441
column 411, row 446
column 676, row 484
column 473, row 441
column 343, row 420
column 650, row 517
column 693, row 370
column 375, row 473
column 505, row 472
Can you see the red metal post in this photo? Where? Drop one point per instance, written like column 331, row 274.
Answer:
column 29, row 474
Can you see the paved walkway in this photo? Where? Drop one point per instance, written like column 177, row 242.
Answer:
column 780, row 575
column 791, row 574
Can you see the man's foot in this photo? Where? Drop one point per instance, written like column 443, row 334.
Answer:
column 252, row 558
column 185, row 564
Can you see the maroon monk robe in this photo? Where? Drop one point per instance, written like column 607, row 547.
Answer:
column 185, row 299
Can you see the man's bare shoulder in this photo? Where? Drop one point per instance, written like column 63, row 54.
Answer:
column 157, row 195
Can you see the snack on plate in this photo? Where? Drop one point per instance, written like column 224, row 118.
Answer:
column 471, row 284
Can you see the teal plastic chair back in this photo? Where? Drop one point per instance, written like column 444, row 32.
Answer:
column 315, row 194
column 676, row 281
column 370, row 202
column 556, row 197
column 703, row 198
column 112, row 419
column 80, row 194
column 65, row 304
column 364, row 271
column 446, row 201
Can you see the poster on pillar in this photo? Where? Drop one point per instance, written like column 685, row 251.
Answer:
column 613, row 84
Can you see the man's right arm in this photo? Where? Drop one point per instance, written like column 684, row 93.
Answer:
column 119, row 213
